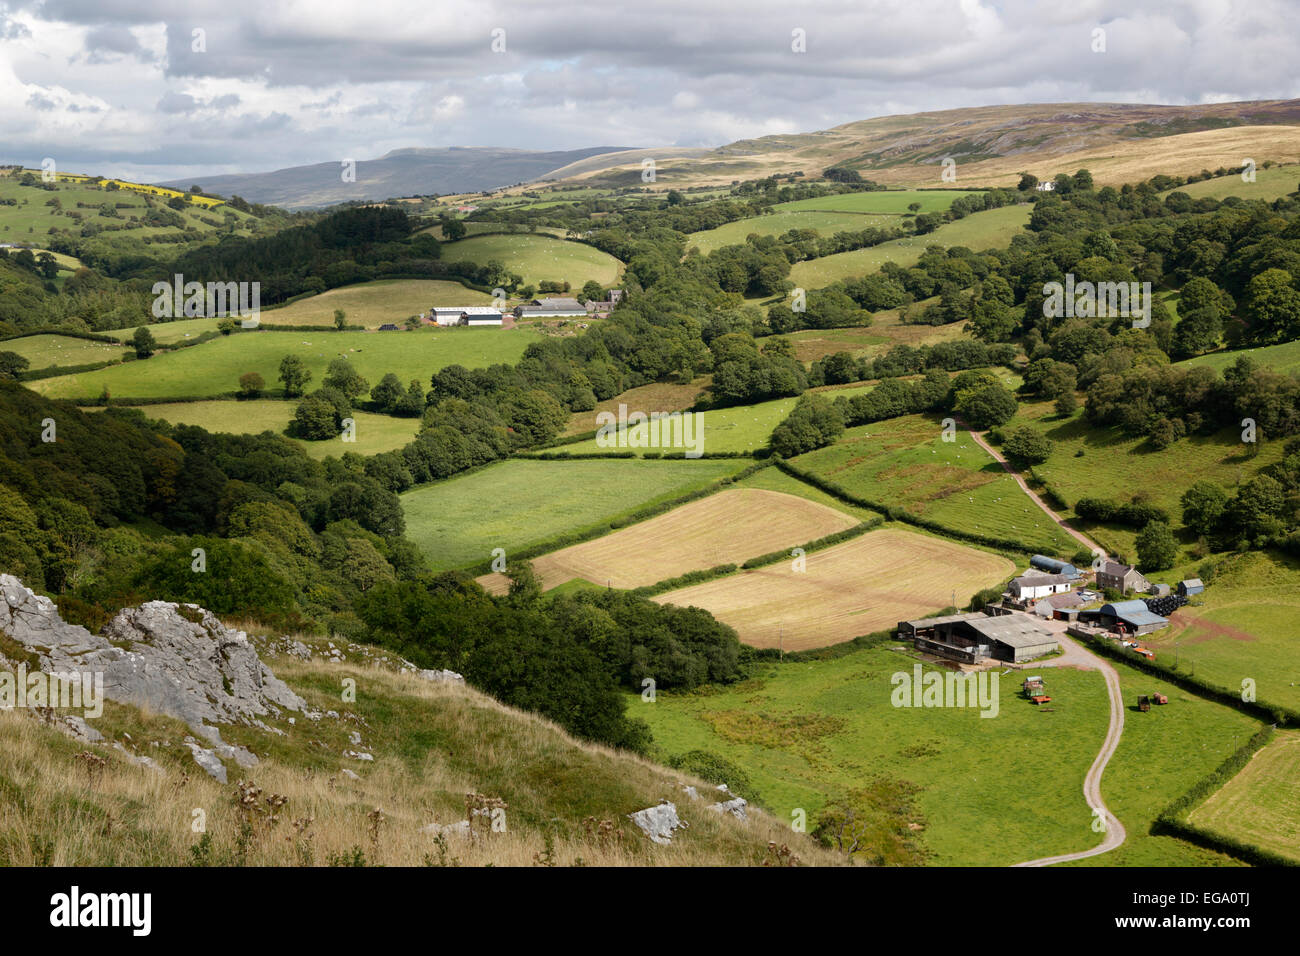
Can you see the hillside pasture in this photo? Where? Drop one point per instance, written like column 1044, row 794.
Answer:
column 891, row 202
column 864, row 585
column 825, row 222
column 990, row 229
column 1283, row 358
column 373, row 433
column 977, row 792
column 373, row 304
column 50, row 351
column 655, row 397
column 520, row 503
column 904, row 462
column 726, row 528
column 538, row 258
column 1261, row 804
column 213, row 368
column 1269, row 184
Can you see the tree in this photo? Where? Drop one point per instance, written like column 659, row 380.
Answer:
column 342, row 376
column 1028, row 182
column 452, row 229
column 251, row 385
column 1157, row 549
column 295, row 375
column 1027, row 446
column 143, row 342
column 1204, row 505
column 11, row 364
column 340, row 319
column 387, row 393
column 986, row 406
column 316, row 418
column 592, row 291
column 1273, row 306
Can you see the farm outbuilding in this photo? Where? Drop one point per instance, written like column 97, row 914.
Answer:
column 975, row 637
column 1054, row 566
column 1038, row 585
column 1134, row 616
column 558, row 307
column 1190, row 586
column 466, row 315
column 1159, row 590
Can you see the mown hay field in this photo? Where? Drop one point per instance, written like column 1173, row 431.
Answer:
column 726, row 528
column 374, row 303
column 520, row 503
column 864, row 585
column 1261, row 804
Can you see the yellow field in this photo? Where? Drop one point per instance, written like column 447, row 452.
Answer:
column 1261, row 804
column 726, row 528
column 859, row 587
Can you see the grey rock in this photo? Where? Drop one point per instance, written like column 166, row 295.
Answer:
column 185, row 665
column 358, row 755
column 735, row 807
column 658, row 823
column 208, row 761
column 442, row 675
column 460, row 828
column 350, row 774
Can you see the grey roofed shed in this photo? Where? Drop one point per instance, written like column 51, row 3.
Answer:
column 1191, row 586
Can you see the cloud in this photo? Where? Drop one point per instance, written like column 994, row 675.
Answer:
column 313, row 78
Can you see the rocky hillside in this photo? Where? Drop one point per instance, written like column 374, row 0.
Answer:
column 213, row 746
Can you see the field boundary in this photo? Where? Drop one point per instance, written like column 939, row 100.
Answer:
column 614, row 524
column 1174, row 820
column 903, row 516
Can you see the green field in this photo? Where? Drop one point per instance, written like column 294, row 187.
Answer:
column 904, row 462
column 518, row 503
column 1281, row 358
column 1269, row 184
column 991, row 792
column 168, row 333
column 738, row 428
column 374, row 433
column 374, row 303
column 213, row 368
column 889, row 202
column 1161, row 755
column 48, row 351
column 537, row 258
column 1103, row 462
column 1246, row 625
column 773, row 479
column 825, row 222
column 992, row 229
column 31, row 220
column 1261, row 804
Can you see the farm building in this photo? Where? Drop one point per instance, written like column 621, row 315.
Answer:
column 1190, row 586
column 1064, row 606
column 466, row 315
column 975, row 637
column 1054, row 566
column 1133, row 616
column 1047, row 187
column 1039, row 585
column 1121, row 577
column 551, row 308
column 1159, row 590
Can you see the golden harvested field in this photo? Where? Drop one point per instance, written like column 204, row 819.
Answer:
column 726, row 528
column 1261, row 804
column 858, row 587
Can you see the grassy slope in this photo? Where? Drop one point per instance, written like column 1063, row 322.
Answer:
column 539, row 257
column 518, row 503
column 373, row 303
column 213, row 368
column 826, row 222
column 374, row 433
column 903, row 461
column 1281, row 358
column 993, row 791
column 1116, row 466
column 1269, row 184
column 49, row 351
column 432, row 744
column 981, row 230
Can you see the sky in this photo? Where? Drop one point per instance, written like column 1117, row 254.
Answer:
column 156, row 91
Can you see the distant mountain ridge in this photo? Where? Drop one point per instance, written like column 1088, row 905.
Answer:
column 401, row 172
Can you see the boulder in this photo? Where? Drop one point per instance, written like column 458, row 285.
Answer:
column 658, row 823
column 735, row 807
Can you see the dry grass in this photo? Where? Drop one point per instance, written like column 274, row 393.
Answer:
column 656, row 397
column 726, row 528
column 433, row 744
column 856, row 588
